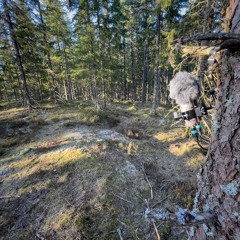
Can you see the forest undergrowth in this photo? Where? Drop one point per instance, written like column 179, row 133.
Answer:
column 69, row 172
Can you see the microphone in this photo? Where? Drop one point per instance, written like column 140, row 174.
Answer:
column 185, row 90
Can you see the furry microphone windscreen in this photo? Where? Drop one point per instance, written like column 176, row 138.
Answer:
column 184, row 88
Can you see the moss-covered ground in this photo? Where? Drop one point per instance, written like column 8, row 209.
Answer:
column 68, row 172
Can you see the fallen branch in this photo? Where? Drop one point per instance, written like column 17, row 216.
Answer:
column 144, row 172
column 115, row 195
column 10, row 196
column 120, row 233
column 159, row 202
column 155, row 229
column 207, row 36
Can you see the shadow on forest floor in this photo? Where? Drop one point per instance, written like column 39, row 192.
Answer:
column 78, row 174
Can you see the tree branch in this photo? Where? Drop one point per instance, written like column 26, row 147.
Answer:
column 229, row 40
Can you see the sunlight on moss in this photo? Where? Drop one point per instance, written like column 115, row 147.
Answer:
column 48, row 161
column 61, row 157
column 69, row 115
column 132, row 108
column 24, row 162
column 12, row 113
column 166, row 137
column 196, row 161
column 29, row 186
column 179, row 150
column 49, row 105
column 61, row 220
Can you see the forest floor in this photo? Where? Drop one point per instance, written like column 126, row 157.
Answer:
column 68, row 172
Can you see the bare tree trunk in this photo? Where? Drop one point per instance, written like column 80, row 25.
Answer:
column 65, row 89
column 54, row 87
column 95, row 93
column 68, row 76
column 125, row 92
column 20, row 86
column 219, row 186
column 18, row 55
column 104, row 93
column 13, row 88
column 40, row 91
column 156, row 89
column 164, row 86
column 134, row 90
column 203, row 61
column 145, row 74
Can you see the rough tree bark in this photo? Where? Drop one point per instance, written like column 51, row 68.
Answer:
column 219, row 185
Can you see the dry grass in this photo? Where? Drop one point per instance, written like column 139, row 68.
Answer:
column 50, row 143
column 48, row 162
column 10, row 142
column 180, row 149
column 60, row 220
column 13, row 113
column 37, row 122
column 74, row 183
column 133, row 128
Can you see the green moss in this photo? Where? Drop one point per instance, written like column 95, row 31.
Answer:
column 165, row 230
column 61, row 220
column 132, row 108
column 27, row 183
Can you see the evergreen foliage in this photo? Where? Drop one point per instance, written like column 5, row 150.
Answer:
column 106, row 50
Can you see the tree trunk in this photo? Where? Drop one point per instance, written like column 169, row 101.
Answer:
column 125, row 92
column 156, row 89
column 134, row 90
column 104, row 93
column 145, row 73
column 95, row 95
column 219, row 185
column 20, row 86
column 18, row 55
column 203, row 61
column 40, row 91
column 65, row 89
column 68, row 76
column 54, row 87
